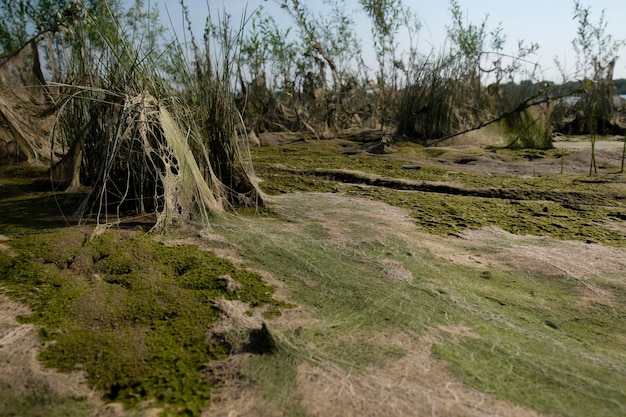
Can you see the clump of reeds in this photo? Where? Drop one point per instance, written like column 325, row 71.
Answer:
column 440, row 101
column 528, row 129
column 142, row 145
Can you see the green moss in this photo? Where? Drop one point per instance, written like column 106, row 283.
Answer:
column 323, row 154
column 445, row 214
column 279, row 183
column 561, row 206
column 131, row 312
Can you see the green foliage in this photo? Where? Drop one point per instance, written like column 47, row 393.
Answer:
column 80, row 28
column 620, row 86
column 338, row 32
column 429, row 106
column 447, row 94
column 596, row 52
column 13, row 25
column 22, row 20
column 596, row 49
column 269, row 60
column 386, row 17
column 527, row 130
column 481, row 52
column 327, row 43
column 311, row 33
column 468, row 39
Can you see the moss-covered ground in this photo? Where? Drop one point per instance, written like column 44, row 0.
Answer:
column 134, row 313
column 446, row 201
column 129, row 311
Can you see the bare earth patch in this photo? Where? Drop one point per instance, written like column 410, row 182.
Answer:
column 575, row 160
column 233, row 396
column 584, row 262
column 5, row 247
column 414, row 385
column 346, row 219
column 21, row 374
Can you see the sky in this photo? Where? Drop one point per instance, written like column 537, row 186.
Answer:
column 547, row 22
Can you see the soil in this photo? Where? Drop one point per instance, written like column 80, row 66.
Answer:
column 415, row 384
column 576, row 159
column 20, row 369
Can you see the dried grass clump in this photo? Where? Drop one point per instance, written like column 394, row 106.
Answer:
column 150, row 166
column 441, row 100
column 148, row 138
column 25, row 112
column 148, row 160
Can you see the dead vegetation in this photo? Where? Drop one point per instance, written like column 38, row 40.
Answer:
column 377, row 308
column 472, row 278
column 26, row 113
column 416, row 384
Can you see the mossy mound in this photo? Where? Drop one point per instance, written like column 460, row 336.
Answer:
column 132, row 313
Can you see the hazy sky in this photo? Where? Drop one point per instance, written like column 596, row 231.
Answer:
column 547, row 22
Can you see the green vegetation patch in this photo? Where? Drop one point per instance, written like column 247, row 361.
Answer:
column 130, row 311
column 542, row 344
column 447, row 202
column 275, row 164
column 332, row 155
column 446, row 214
column 524, row 130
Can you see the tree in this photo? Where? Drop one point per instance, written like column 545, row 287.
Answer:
column 597, row 53
column 461, row 89
column 386, row 17
column 328, row 43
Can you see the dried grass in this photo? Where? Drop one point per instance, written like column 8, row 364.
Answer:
column 414, row 385
column 368, row 349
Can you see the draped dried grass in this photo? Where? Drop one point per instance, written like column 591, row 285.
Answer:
column 146, row 164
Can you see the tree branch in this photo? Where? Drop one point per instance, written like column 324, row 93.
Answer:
column 535, row 100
